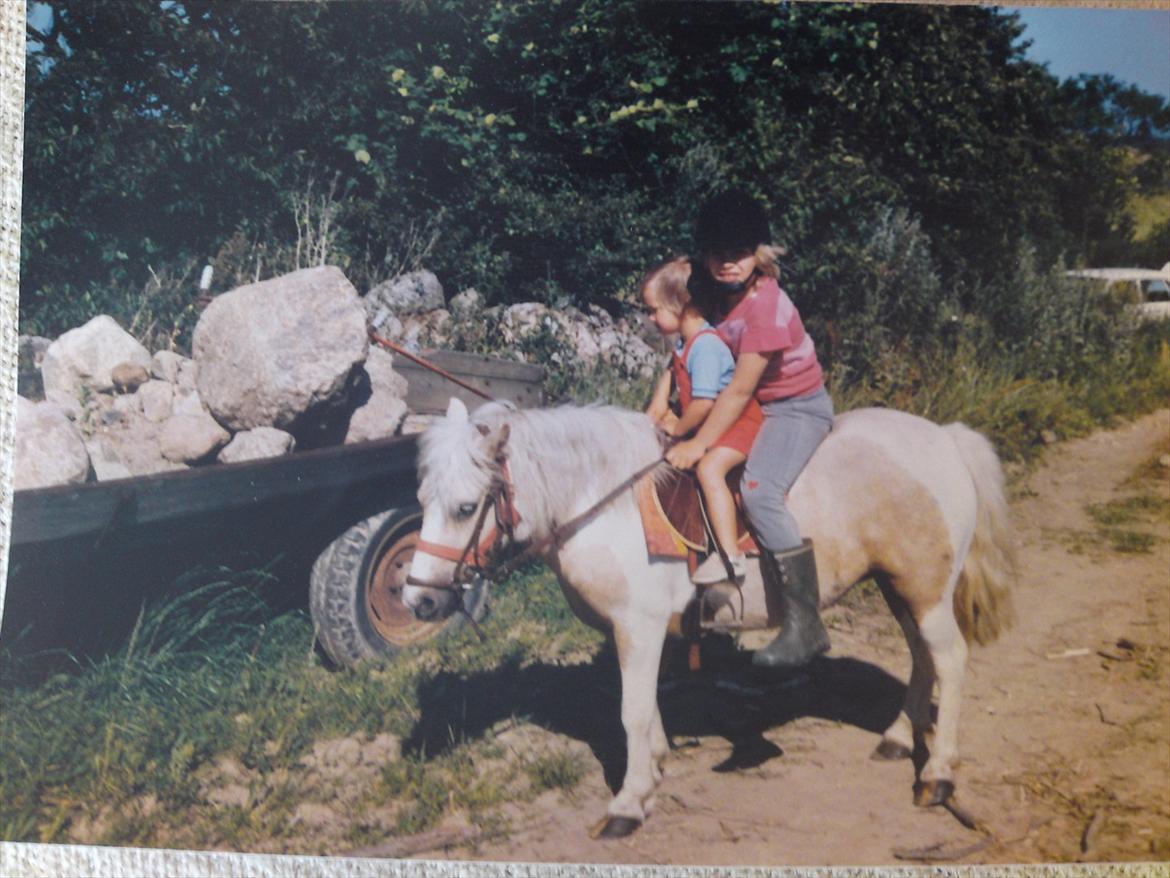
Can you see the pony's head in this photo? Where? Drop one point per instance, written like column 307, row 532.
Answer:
column 461, row 470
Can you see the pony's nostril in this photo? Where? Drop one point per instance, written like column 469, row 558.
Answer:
column 425, row 608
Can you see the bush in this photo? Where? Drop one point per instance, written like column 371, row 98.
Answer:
column 879, row 295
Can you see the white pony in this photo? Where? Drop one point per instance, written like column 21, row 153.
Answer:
column 888, row 495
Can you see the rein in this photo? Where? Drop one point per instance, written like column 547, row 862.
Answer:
column 398, row 349
column 476, row 554
column 556, row 535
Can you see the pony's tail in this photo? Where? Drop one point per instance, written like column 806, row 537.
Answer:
column 983, row 600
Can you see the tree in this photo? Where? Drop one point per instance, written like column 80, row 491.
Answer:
column 551, row 150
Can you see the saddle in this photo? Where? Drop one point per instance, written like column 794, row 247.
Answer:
column 674, row 516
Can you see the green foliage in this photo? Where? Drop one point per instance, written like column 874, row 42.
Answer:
column 972, row 383
column 563, row 179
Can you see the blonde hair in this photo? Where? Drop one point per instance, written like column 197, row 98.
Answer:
column 768, row 259
column 668, row 282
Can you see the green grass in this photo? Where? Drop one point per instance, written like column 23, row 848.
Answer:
column 1013, row 409
column 560, row 770
column 1114, row 520
column 212, row 673
column 1129, row 542
column 1129, row 510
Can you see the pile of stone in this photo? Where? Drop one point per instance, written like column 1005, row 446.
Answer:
column 276, row 365
column 411, row 311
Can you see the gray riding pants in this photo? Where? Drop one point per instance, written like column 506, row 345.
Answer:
column 792, row 430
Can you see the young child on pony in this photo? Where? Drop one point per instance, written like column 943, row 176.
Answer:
column 701, row 366
column 734, row 282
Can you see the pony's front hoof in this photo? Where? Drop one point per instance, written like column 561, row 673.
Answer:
column 933, row 792
column 615, row 827
column 888, row 751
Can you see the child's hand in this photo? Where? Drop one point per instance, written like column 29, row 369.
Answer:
column 667, row 422
column 686, row 454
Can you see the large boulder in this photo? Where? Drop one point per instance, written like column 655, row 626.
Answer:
column 191, row 438
column 381, row 414
column 467, row 304
column 413, row 293
column 107, row 462
column 86, row 358
column 186, row 401
column 257, row 444
column 123, row 441
column 627, row 351
column 270, row 353
column 165, row 365
column 415, row 332
column 49, row 448
column 158, row 400
column 587, row 337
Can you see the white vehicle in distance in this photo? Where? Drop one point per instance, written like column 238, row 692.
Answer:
column 1146, row 290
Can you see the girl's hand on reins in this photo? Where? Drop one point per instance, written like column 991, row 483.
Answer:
column 686, row 454
column 667, row 421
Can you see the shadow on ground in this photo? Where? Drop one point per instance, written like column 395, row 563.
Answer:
column 727, row 699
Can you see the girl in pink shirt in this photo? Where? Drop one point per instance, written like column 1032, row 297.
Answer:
column 736, row 284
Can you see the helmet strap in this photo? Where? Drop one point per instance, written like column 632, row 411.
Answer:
column 734, row 289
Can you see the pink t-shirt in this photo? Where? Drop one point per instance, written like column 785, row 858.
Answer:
column 766, row 322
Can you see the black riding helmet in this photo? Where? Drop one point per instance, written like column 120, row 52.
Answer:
column 731, row 220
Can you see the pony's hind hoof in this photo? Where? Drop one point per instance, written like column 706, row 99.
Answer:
column 615, row 827
column 933, row 792
column 888, row 751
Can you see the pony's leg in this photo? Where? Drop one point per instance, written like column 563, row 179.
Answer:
column 659, row 744
column 948, row 650
column 639, row 649
column 914, row 718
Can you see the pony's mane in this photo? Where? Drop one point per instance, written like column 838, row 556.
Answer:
column 557, row 458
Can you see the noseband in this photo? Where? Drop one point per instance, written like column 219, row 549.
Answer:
column 476, row 554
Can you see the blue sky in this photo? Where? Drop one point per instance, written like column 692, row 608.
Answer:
column 1131, row 44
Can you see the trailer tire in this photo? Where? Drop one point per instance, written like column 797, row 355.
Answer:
column 355, row 592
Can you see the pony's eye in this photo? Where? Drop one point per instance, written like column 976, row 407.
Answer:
column 466, row 510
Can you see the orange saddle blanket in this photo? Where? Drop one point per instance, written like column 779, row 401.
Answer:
column 675, row 519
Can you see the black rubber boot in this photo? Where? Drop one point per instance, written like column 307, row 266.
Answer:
column 791, row 576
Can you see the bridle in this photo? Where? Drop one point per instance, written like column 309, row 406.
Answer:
column 479, row 555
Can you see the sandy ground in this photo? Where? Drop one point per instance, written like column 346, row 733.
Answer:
column 1065, row 734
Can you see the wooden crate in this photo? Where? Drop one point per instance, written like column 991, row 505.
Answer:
column 429, row 392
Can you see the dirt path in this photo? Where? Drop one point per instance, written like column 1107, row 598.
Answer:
column 1065, row 734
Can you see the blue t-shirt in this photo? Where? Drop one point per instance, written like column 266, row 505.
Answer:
column 709, row 364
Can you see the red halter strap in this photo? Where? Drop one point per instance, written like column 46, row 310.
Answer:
column 475, row 554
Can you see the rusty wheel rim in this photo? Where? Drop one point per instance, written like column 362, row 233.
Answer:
column 389, row 616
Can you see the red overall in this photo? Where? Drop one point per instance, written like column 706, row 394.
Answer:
column 742, row 433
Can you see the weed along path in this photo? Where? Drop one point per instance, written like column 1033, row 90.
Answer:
column 1065, row 736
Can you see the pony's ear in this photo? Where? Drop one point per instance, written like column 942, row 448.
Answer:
column 456, row 410
column 501, row 440
column 495, row 444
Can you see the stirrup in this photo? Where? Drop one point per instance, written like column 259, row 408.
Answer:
column 714, row 570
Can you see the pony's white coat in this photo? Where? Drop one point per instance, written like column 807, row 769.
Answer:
column 887, row 494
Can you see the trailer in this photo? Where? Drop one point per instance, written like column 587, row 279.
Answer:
column 336, row 526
